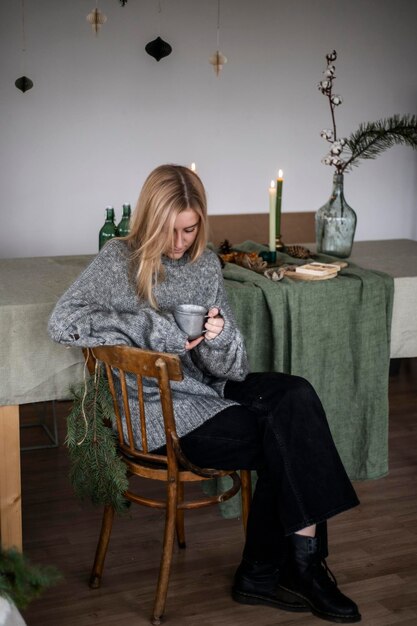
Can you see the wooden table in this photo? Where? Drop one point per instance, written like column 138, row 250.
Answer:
column 41, row 370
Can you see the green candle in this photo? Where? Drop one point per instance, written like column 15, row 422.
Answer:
column 278, row 201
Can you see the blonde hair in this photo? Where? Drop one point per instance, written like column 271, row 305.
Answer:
column 168, row 190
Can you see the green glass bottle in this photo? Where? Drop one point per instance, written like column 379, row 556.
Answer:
column 123, row 227
column 109, row 229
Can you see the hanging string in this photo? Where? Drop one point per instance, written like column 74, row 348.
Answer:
column 84, row 397
column 159, row 17
column 218, row 24
column 23, row 36
column 96, row 382
column 23, row 27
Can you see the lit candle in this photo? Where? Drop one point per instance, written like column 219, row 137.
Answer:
column 193, row 167
column 278, row 201
column 272, row 218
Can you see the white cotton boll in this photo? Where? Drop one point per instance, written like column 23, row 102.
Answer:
column 336, row 100
column 337, row 147
column 326, row 133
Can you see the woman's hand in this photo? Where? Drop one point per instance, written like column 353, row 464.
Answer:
column 192, row 344
column 214, row 324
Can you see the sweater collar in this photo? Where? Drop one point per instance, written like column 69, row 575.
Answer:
column 168, row 262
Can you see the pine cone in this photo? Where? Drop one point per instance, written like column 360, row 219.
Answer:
column 298, row 252
column 225, row 247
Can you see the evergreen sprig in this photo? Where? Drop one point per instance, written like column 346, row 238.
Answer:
column 21, row 581
column 373, row 138
column 370, row 139
column 97, row 470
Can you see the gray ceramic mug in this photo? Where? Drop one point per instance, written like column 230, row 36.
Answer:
column 190, row 318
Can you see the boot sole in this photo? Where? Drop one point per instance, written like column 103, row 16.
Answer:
column 330, row 617
column 249, row 598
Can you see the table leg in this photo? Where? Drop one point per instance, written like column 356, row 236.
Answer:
column 10, row 486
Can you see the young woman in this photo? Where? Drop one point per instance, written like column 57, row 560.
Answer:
column 227, row 418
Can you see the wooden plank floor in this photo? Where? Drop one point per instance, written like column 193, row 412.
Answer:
column 373, row 548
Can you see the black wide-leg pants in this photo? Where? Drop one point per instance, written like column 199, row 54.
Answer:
column 280, row 430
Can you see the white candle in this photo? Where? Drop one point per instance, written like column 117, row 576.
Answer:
column 272, row 216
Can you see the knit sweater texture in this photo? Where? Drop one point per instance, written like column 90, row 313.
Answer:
column 102, row 308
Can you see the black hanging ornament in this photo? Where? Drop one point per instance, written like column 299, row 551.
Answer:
column 158, row 48
column 123, row 2
column 23, row 83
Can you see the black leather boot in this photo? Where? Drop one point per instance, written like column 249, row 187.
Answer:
column 306, row 578
column 257, row 583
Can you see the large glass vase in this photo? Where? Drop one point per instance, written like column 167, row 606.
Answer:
column 335, row 223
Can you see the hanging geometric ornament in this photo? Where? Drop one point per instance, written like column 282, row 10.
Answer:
column 123, row 2
column 218, row 59
column 96, row 19
column 158, row 48
column 23, row 83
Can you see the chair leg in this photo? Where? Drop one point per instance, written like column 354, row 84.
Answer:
column 166, row 558
column 103, row 543
column 179, row 520
column 246, row 494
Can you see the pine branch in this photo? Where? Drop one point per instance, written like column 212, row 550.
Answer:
column 372, row 138
column 21, row 581
column 97, row 471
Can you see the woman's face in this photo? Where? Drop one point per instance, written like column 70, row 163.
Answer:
column 185, row 232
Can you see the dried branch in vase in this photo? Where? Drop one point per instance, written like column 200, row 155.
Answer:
column 371, row 138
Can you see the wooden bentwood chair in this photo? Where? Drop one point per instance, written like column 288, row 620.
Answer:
column 173, row 469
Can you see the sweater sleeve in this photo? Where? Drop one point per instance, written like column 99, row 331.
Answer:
column 224, row 356
column 99, row 309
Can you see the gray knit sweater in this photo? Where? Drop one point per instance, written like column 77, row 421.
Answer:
column 102, row 307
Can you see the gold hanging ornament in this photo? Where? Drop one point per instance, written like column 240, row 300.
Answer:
column 96, row 19
column 218, row 59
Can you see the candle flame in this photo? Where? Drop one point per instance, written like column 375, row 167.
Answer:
column 272, row 186
column 280, row 174
column 193, row 167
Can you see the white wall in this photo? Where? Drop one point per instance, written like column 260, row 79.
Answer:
column 103, row 113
